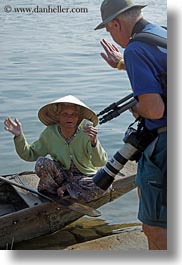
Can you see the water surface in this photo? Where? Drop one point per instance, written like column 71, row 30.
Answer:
column 44, row 56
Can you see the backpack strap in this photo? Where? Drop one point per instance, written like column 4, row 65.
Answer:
column 150, row 38
column 139, row 26
column 147, row 37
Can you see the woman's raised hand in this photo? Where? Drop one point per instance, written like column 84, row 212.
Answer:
column 13, row 126
column 92, row 134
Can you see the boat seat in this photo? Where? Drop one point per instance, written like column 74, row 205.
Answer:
column 29, row 180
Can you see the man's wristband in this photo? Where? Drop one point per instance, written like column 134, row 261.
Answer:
column 120, row 64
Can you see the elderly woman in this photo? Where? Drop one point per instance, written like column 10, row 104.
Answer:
column 75, row 150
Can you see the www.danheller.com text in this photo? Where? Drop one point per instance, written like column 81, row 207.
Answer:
column 47, row 9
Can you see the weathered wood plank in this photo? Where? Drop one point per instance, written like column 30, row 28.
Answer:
column 6, row 209
column 49, row 217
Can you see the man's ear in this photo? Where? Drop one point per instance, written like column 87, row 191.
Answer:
column 116, row 23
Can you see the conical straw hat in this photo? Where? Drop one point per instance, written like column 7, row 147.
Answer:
column 49, row 113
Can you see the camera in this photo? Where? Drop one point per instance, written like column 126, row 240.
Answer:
column 135, row 142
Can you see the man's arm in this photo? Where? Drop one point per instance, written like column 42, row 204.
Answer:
column 150, row 106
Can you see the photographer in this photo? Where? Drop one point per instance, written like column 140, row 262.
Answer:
column 144, row 64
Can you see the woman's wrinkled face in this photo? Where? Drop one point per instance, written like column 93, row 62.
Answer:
column 68, row 117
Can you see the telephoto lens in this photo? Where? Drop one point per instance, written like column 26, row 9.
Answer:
column 105, row 176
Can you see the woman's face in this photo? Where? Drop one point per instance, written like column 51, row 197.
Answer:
column 69, row 117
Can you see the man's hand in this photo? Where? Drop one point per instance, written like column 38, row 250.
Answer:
column 13, row 126
column 113, row 55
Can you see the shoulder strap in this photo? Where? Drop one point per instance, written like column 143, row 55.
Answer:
column 150, row 38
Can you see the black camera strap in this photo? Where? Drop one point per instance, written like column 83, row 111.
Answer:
column 154, row 40
column 147, row 37
column 139, row 26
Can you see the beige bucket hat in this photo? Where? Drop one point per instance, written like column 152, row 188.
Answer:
column 49, row 113
column 110, row 9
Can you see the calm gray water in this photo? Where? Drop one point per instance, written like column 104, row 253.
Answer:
column 44, row 56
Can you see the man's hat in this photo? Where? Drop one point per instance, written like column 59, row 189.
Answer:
column 49, row 114
column 110, row 9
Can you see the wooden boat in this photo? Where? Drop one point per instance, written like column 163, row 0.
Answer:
column 24, row 215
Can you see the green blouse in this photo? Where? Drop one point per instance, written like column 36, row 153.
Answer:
column 85, row 157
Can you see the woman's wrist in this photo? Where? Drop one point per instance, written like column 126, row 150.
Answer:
column 17, row 134
column 94, row 144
